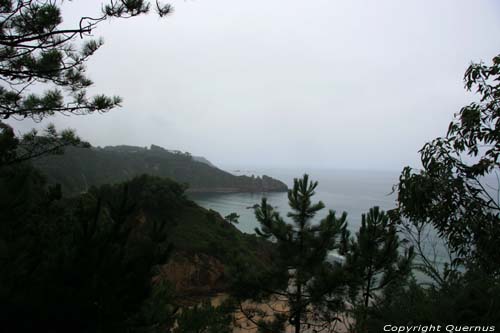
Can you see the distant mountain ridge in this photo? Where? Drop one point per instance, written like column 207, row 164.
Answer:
column 80, row 168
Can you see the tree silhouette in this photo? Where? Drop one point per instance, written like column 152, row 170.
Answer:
column 374, row 264
column 454, row 191
column 300, row 278
column 42, row 67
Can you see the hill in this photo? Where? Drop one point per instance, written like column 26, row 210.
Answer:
column 94, row 262
column 80, row 168
column 206, row 247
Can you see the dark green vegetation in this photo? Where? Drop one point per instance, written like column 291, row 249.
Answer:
column 205, row 318
column 37, row 52
column 452, row 191
column 300, row 261
column 94, row 261
column 454, row 194
column 35, row 49
column 80, row 168
column 318, row 292
column 83, row 263
column 375, row 266
column 86, row 263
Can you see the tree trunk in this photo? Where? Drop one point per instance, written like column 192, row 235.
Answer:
column 299, row 310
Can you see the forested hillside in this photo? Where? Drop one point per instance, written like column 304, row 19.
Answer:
column 87, row 262
column 80, row 168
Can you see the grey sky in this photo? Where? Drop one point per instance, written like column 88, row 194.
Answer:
column 319, row 83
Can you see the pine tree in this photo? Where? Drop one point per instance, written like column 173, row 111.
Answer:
column 82, row 264
column 300, row 264
column 205, row 318
column 43, row 68
column 374, row 264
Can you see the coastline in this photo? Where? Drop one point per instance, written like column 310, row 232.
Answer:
column 222, row 190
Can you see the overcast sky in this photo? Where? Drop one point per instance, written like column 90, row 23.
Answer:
column 318, row 83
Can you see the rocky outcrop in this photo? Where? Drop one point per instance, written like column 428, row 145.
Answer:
column 194, row 274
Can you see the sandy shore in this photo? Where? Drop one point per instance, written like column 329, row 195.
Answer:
column 250, row 313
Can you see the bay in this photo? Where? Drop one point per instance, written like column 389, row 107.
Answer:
column 352, row 191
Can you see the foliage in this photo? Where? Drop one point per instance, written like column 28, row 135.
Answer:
column 78, row 169
column 36, row 51
column 205, row 318
column 433, row 256
column 232, row 218
column 470, row 300
column 86, row 263
column 200, row 231
column 299, row 265
column 374, row 264
column 451, row 191
column 276, row 325
column 157, row 313
column 44, row 73
column 32, row 145
column 81, row 264
column 454, row 195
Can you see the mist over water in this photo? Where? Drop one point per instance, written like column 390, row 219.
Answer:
column 352, row 191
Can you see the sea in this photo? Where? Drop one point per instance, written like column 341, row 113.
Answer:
column 350, row 191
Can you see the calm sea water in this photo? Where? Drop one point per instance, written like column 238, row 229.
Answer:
column 354, row 192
